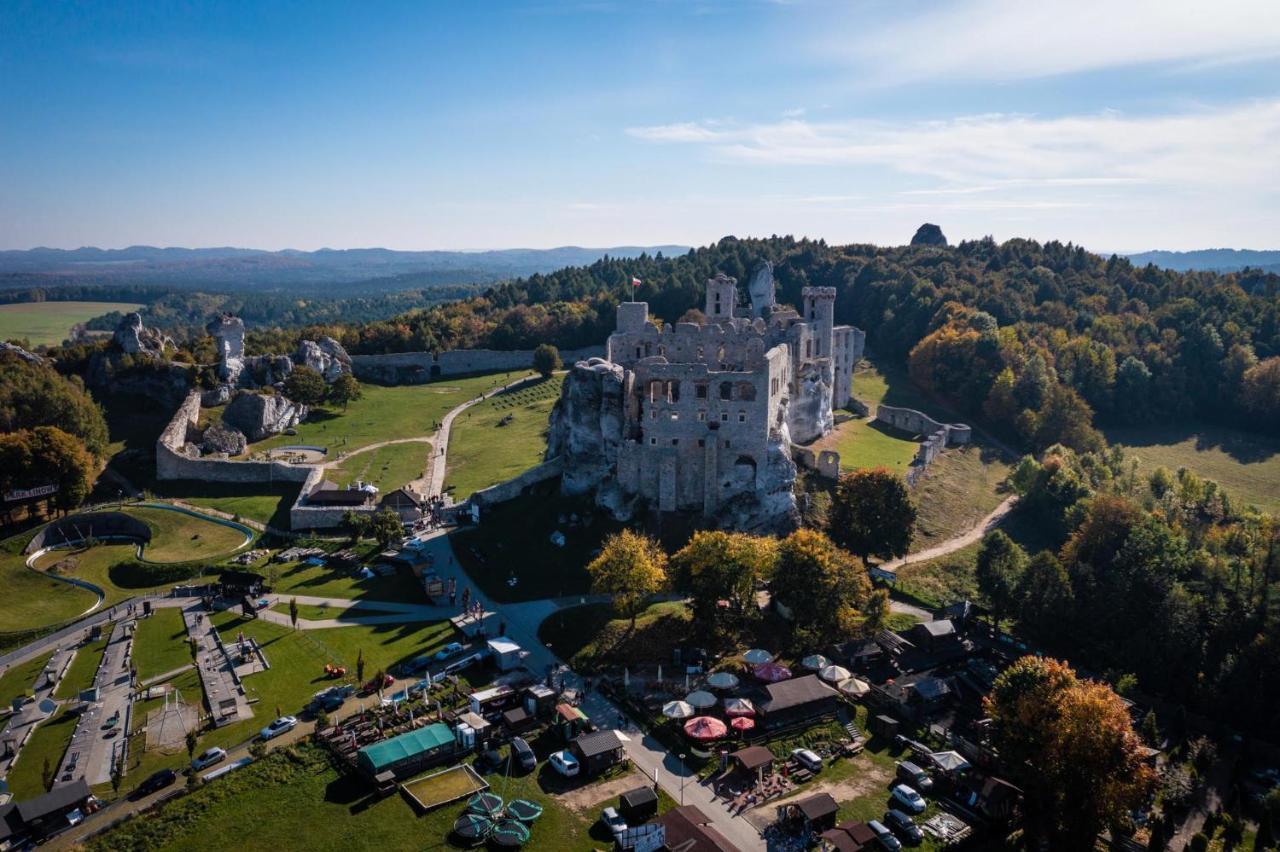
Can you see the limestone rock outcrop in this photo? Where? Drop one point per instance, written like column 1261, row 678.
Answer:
column 14, row 349
column 586, row 425
column 133, row 338
column 761, row 289
column 929, row 235
column 260, row 416
column 809, row 415
column 771, row 506
column 326, row 356
column 228, row 331
column 221, row 438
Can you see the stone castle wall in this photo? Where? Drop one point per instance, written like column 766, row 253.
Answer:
column 514, row 487
column 414, row 368
column 937, row 436
column 173, row 463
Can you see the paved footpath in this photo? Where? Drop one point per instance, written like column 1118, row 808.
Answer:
column 21, row 724
column 434, row 480
column 93, row 749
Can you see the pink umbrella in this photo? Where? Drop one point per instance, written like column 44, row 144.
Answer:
column 772, row 672
column 742, row 723
column 705, row 728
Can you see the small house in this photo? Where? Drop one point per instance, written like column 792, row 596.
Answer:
column 404, row 503
column 934, row 635
column 598, row 751
column 482, row 728
column 234, row 585
column 494, row 700
column 816, row 812
column 408, row 753
column 539, row 700
column 329, row 493
column 796, row 701
column 506, row 654
column 688, row 829
column 638, row 805
column 570, row 721
column 883, row 726
column 848, row 836
column 48, row 814
column 754, row 760
column 516, row 720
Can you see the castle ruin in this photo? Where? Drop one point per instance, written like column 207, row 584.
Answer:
column 702, row 416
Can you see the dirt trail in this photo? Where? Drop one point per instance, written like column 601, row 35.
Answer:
column 951, row 545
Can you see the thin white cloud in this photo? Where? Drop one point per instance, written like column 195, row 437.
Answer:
column 1015, row 39
column 1234, row 146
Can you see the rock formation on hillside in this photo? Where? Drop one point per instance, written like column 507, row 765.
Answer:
column 228, row 331
column 326, row 356
column 221, row 438
column 929, row 235
column 133, row 338
column 15, row 349
column 261, row 415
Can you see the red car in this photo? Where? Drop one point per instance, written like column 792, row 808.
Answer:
column 373, row 685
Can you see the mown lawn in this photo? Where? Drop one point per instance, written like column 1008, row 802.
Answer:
column 312, row 612
column 48, row 742
column 84, row 666
column 295, row 794
column 876, row 384
column 500, row 438
column 1246, row 464
column 865, row 444
column 49, row 323
column 19, row 679
column 959, row 488
column 160, row 643
column 389, row 467
column 384, row 413
column 266, row 503
column 32, row 600
column 180, row 537
column 298, row 578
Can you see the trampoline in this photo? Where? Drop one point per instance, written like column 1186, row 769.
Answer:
column 509, row 832
column 523, row 810
column 485, row 804
column 472, row 829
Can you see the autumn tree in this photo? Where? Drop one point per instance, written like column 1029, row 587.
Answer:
column 546, row 360
column 305, row 385
column 1260, row 390
column 1044, row 598
column 827, row 593
column 345, row 390
column 46, row 455
column 631, row 567
column 999, row 567
column 33, row 395
column 1070, row 745
column 719, row 572
column 386, row 528
column 871, row 514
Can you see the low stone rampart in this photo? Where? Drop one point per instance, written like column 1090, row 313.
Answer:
column 936, row 436
column 412, row 368
column 515, row 486
column 826, row 463
column 173, row 463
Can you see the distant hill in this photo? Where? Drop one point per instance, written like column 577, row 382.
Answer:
column 232, row 269
column 1210, row 260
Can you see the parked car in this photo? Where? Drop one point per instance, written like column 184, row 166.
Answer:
column 450, row 650
column 614, row 822
column 909, row 773
column 884, row 835
column 524, row 754
column 330, row 699
column 155, row 781
column 208, row 757
column 909, row 798
column 373, row 684
column 904, row 825
column 279, row 726
column 565, row 763
column 808, row 759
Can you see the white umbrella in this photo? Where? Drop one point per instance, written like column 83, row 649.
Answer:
column 723, row 680
column 739, row 707
column 815, row 662
column 835, row 674
column 758, row 656
column 701, row 699
column 626, row 677
column 677, row 710
column 659, row 672
column 853, row 687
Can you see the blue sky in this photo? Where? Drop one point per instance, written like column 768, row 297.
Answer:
column 1118, row 125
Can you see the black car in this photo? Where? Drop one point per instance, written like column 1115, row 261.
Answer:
column 155, row 781
column 523, row 754
column 904, row 825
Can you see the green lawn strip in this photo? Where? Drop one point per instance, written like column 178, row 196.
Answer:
column 181, row 537
column 1247, row 465
column 958, row 489
column 500, row 438
column 384, row 413
column 19, row 679
column 299, row 578
column 94, row 566
column 514, row 539
column 313, row 612
column 32, row 601
column 865, row 444
column 296, row 793
column 388, row 468
column 48, row 742
column 160, row 643
column 84, row 666
column 49, row 323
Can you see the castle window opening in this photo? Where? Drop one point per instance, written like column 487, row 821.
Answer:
column 648, row 349
column 808, row 349
column 742, row 417
column 653, row 442
column 702, row 416
column 673, row 391
column 700, row 391
column 726, row 390
column 746, row 392
column 702, row 442
column 675, row 442
column 724, row 417
column 726, row 443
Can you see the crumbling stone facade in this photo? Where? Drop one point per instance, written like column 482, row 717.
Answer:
column 701, row 417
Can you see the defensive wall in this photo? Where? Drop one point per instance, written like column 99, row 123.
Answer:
column 415, row 368
column 937, row 436
column 826, row 463
column 514, row 487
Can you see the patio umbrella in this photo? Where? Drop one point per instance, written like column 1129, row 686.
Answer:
column 723, row 680
column 677, row 710
column 835, row 674
column 757, row 656
column 853, row 687
column 771, row 672
column 705, row 728
column 739, row 707
column 701, row 699
column 815, row 662
column 742, row 724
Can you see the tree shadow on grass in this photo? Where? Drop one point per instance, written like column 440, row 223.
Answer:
column 1243, row 447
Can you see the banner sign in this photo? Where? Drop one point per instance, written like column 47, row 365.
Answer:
column 29, row 493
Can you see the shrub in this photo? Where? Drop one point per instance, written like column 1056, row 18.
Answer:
column 132, row 574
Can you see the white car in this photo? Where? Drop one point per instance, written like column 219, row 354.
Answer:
column 808, row 759
column 208, row 757
column 909, row 799
column 279, row 726
column 614, row 822
column 565, row 763
column 450, row 650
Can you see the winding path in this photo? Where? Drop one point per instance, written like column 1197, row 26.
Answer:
column 951, row 545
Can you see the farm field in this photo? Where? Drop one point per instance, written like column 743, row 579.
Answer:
column 49, row 323
column 389, row 467
column 385, row 413
column 1247, row 465
column 485, row 447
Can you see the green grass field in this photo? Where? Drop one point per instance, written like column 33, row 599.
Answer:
column 160, row 643
column 266, row 503
column 48, row 742
column 389, row 467
column 484, row 451
column 19, row 679
column 83, row 668
column 874, row 384
column 315, row 612
column 179, row 537
column 863, row 444
column 1247, row 465
column 49, row 323
column 301, row 579
column 960, row 488
column 385, row 413
column 33, row 601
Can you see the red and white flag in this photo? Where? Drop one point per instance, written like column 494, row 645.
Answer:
column 635, row 282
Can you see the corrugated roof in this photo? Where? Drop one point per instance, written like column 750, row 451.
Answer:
column 387, row 753
column 601, row 742
column 794, row 693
